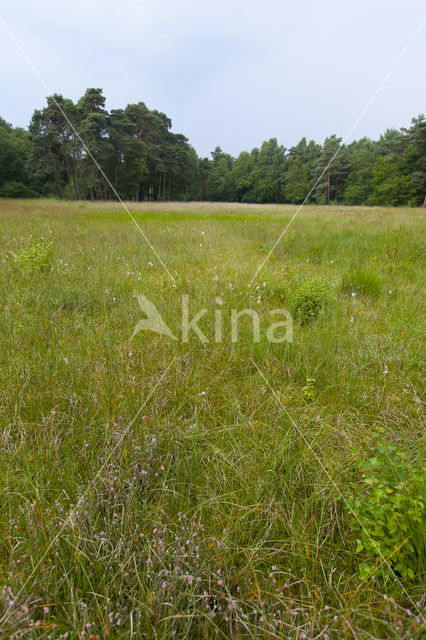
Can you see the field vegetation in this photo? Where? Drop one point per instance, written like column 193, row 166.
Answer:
column 157, row 489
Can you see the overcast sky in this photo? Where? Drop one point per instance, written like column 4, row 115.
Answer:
column 227, row 72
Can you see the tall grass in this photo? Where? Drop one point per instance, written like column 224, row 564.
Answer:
column 218, row 509
column 361, row 282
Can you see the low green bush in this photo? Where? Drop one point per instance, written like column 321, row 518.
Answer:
column 310, row 298
column 17, row 190
column 388, row 514
column 309, row 393
column 35, row 255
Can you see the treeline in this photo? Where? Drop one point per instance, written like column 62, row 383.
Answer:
column 132, row 152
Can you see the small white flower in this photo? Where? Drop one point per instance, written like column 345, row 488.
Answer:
column 390, row 291
column 66, row 360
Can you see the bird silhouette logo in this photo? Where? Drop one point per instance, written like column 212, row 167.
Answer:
column 153, row 320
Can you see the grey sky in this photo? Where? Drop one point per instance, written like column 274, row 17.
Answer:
column 227, row 72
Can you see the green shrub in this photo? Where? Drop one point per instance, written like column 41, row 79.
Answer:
column 17, row 190
column 35, row 255
column 388, row 512
column 362, row 282
column 310, row 298
column 309, row 393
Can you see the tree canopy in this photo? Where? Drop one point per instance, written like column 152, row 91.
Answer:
column 80, row 151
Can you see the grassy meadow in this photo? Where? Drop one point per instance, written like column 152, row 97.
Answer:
column 157, row 489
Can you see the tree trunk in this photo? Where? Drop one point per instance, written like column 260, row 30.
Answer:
column 424, row 203
column 328, row 187
column 55, row 173
column 82, row 184
column 67, row 166
column 105, row 188
column 74, row 179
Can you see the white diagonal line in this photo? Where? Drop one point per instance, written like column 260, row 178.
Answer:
column 357, row 121
column 88, row 488
column 318, row 459
column 37, row 73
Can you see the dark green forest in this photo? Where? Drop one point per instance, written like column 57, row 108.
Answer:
column 138, row 157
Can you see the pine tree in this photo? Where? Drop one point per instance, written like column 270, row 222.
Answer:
column 331, row 171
